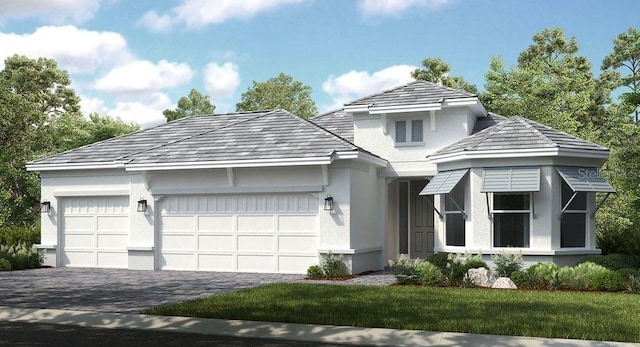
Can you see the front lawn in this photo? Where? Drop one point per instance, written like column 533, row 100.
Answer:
column 558, row 314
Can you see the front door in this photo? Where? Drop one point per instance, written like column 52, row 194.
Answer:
column 420, row 221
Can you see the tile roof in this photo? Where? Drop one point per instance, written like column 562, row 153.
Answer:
column 485, row 122
column 517, row 133
column 413, row 93
column 240, row 136
column 338, row 122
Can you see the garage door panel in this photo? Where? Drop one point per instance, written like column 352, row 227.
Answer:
column 255, row 263
column 178, row 242
column 295, row 223
column 178, row 223
column 215, row 243
column 215, row 223
column 215, row 262
column 177, row 261
column 295, row 264
column 79, row 258
column 297, row 244
column 255, row 223
column 78, row 223
column 78, row 240
column 113, row 223
column 112, row 241
column 112, row 259
column 253, row 243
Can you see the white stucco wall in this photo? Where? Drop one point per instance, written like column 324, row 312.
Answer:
column 451, row 124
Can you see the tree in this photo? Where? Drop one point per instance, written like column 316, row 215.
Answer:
column 550, row 84
column 280, row 92
column 626, row 56
column 72, row 131
column 195, row 104
column 437, row 70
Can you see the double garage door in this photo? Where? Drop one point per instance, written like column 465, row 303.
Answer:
column 239, row 232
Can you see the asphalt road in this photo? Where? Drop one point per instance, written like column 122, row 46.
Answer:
column 36, row 334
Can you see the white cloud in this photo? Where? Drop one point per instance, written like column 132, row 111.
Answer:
column 355, row 84
column 75, row 50
column 155, row 22
column 396, row 7
column 90, row 105
column 146, row 111
column 221, row 81
column 201, row 13
column 143, row 76
column 52, row 11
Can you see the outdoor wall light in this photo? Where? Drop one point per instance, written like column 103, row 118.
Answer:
column 328, row 203
column 142, row 205
column 45, row 207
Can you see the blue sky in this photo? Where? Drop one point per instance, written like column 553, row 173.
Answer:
column 133, row 59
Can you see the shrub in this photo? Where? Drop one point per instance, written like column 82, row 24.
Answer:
column 22, row 258
column 626, row 272
column 611, row 261
column 440, row 260
column 5, row 265
column 16, row 237
column 545, row 276
column 429, row 274
column 405, row 270
column 584, row 274
column 520, row 278
column 333, row 266
column 458, row 265
column 609, row 281
column 507, row 263
column 633, row 284
column 315, row 272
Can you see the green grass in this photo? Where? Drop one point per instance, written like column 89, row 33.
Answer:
column 558, row 314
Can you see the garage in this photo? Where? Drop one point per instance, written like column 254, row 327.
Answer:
column 95, row 231
column 239, row 232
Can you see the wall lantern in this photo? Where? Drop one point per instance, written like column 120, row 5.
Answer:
column 328, row 203
column 142, row 205
column 45, row 207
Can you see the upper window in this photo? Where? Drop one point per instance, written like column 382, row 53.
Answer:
column 511, row 215
column 409, row 131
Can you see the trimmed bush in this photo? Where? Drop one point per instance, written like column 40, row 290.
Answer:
column 520, row 278
column 333, row 266
column 440, row 260
column 405, row 270
column 315, row 272
column 23, row 258
column 429, row 274
column 612, row 261
column 5, row 265
column 626, row 272
column 16, row 237
column 609, row 281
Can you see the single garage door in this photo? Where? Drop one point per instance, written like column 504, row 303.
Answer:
column 95, row 231
column 239, row 232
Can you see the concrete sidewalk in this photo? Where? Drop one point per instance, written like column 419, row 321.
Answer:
column 285, row 331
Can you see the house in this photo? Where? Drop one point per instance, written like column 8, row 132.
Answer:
column 414, row 170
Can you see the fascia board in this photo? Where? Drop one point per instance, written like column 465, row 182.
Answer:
column 230, row 164
column 357, row 155
column 356, row 108
column 74, row 166
column 460, row 102
column 518, row 153
column 405, row 108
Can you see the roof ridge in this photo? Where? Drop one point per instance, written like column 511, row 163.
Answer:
column 382, row 92
column 328, row 113
column 486, row 133
column 535, row 130
column 195, row 135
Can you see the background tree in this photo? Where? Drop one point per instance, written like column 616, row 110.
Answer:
column 437, row 70
column 550, row 84
column 280, row 92
column 196, row 104
column 39, row 115
column 626, row 57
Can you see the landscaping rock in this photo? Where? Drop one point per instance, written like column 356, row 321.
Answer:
column 504, row 283
column 481, row 277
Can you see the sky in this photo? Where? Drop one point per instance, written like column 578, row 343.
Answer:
column 133, row 59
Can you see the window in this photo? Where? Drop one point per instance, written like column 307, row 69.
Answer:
column 573, row 224
column 409, row 131
column 511, row 215
column 454, row 218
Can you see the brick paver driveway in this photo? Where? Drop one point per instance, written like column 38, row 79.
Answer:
column 126, row 291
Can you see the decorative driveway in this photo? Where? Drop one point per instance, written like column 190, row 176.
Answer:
column 114, row 290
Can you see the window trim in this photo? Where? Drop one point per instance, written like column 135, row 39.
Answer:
column 565, row 211
column 456, row 210
column 530, row 212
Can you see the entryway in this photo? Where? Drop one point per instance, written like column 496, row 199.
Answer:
column 415, row 220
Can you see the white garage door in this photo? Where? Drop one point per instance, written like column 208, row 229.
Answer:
column 247, row 233
column 95, row 231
